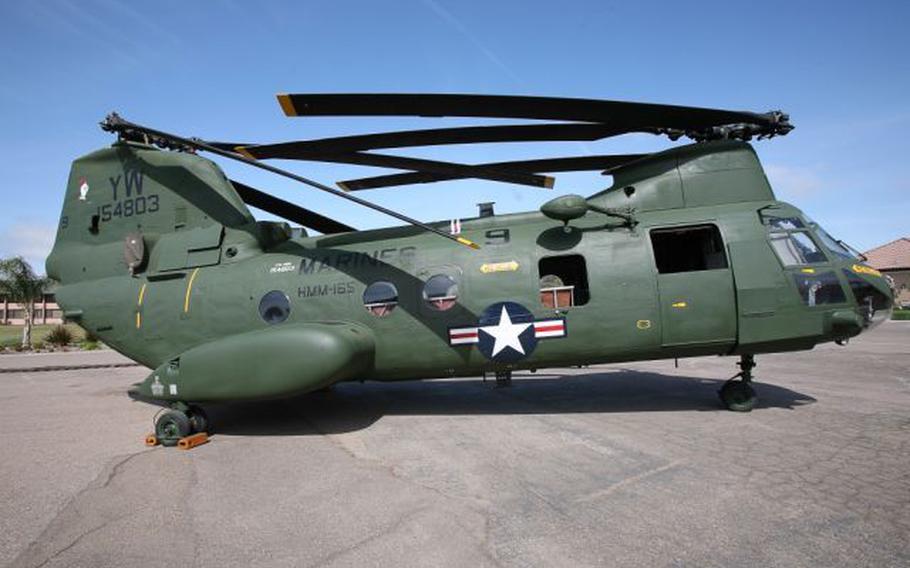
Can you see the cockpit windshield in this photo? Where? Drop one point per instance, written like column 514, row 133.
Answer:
column 790, row 239
column 838, row 248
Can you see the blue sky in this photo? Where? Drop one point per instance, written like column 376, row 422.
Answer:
column 211, row 69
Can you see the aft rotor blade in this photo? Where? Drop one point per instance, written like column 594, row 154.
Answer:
column 432, row 166
column 572, row 164
column 114, row 123
column 289, row 211
column 431, row 137
column 613, row 113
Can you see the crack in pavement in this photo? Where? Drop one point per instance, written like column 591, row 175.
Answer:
column 82, row 536
column 395, row 526
column 627, row 481
column 111, row 471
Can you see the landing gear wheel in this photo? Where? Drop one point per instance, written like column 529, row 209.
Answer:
column 737, row 395
column 171, row 426
column 199, row 420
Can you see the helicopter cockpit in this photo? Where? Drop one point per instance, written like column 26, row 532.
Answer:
column 824, row 268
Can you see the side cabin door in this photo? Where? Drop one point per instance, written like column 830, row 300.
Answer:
column 695, row 284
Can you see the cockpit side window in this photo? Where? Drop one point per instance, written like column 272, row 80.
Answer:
column 818, row 289
column 796, row 248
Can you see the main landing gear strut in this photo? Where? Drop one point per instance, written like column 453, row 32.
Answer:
column 737, row 393
column 179, row 422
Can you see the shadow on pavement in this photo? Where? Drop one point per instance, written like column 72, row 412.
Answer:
column 353, row 406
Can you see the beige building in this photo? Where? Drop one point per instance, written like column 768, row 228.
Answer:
column 893, row 259
column 46, row 311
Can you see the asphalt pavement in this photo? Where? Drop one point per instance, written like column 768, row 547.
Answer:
column 613, row 465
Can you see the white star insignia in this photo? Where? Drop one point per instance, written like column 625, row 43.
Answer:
column 505, row 333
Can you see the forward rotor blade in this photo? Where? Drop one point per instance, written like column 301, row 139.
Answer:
column 227, row 146
column 613, row 113
column 289, row 211
column 430, row 137
column 126, row 129
column 572, row 164
column 432, row 166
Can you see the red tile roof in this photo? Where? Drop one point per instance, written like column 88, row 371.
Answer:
column 891, row 256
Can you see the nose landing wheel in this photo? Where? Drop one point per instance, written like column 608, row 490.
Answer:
column 737, row 394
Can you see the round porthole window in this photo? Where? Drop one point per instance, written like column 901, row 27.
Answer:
column 274, row 307
column 380, row 298
column 440, row 292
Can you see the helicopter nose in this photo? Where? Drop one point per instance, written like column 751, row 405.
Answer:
column 874, row 295
column 846, row 324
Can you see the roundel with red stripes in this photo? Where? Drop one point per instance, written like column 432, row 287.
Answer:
column 507, row 332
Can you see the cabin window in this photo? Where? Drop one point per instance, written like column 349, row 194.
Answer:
column 688, row 249
column 795, row 249
column 817, row 289
column 274, row 307
column 440, row 292
column 380, row 298
column 563, row 281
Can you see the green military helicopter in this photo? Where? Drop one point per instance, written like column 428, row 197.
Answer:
column 688, row 253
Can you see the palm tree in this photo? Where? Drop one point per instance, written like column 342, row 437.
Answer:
column 20, row 284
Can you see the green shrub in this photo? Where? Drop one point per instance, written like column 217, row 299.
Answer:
column 89, row 336
column 60, row 335
column 89, row 345
column 901, row 315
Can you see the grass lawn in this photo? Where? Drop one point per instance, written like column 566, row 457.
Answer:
column 12, row 334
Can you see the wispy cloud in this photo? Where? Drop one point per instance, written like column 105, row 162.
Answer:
column 158, row 32
column 82, row 26
column 31, row 240
column 793, row 181
column 457, row 24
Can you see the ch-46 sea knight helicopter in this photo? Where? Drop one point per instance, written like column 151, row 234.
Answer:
column 688, row 253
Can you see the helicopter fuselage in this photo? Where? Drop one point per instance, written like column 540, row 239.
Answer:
column 240, row 310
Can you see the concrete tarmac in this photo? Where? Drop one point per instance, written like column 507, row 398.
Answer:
column 626, row 465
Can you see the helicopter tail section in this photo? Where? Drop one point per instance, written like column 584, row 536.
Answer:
column 132, row 206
